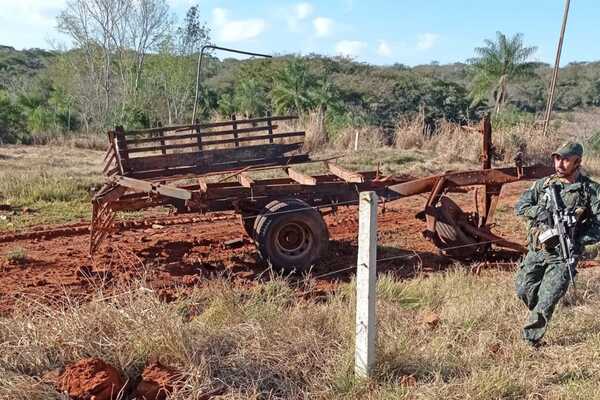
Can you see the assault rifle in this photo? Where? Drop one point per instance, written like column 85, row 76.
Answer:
column 564, row 222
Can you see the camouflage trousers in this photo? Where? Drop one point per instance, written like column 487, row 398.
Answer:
column 541, row 281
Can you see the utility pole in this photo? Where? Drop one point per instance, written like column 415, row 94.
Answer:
column 550, row 103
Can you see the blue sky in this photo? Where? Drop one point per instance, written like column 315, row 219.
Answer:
column 376, row 31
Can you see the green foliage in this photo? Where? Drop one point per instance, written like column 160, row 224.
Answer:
column 69, row 95
column 292, row 88
column 510, row 117
column 11, row 120
column 250, row 98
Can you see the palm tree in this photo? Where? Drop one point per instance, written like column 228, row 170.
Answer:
column 291, row 91
column 250, row 98
column 497, row 64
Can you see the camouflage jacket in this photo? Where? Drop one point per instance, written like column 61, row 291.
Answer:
column 582, row 196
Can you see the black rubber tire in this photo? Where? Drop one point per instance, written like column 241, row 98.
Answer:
column 248, row 221
column 290, row 235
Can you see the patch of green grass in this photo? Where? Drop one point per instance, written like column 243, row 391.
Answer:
column 47, row 213
column 16, row 256
column 54, row 183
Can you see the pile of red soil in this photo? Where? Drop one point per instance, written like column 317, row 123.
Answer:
column 90, row 379
column 157, row 382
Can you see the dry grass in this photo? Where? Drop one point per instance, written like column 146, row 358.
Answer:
column 453, row 143
column 266, row 343
column 73, row 140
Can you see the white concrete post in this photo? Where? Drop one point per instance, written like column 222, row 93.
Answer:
column 366, row 281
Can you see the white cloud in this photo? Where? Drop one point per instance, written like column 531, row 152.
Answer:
column 323, row 26
column 39, row 12
column 297, row 13
column 228, row 30
column 426, row 41
column 302, row 10
column 350, row 48
column 220, row 15
column 384, row 49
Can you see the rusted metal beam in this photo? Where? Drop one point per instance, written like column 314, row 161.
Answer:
column 342, row 173
column 301, row 178
column 496, row 176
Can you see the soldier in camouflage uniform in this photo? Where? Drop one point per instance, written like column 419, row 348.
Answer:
column 543, row 278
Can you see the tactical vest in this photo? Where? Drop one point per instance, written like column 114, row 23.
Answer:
column 576, row 197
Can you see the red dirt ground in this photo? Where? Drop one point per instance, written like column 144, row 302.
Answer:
column 186, row 255
column 90, row 378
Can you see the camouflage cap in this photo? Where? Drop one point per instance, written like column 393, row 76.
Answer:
column 569, row 149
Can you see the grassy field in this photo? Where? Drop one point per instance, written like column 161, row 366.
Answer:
column 269, row 342
column 47, row 184
column 266, row 343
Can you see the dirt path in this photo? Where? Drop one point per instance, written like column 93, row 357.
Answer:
column 189, row 254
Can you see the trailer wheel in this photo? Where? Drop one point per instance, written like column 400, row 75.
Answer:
column 290, row 235
column 248, row 221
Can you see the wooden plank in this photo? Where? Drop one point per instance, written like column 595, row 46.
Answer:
column 270, row 126
column 204, row 134
column 342, row 173
column 162, row 140
column 300, row 177
column 108, row 163
column 111, row 146
column 235, row 131
column 221, row 168
column 202, row 185
column 212, row 156
column 245, row 180
column 214, row 142
column 121, row 150
column 198, row 138
column 149, row 187
column 208, row 125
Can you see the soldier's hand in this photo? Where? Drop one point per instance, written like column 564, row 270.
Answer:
column 579, row 212
column 591, row 251
column 543, row 217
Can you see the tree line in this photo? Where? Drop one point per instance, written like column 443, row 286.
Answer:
column 132, row 64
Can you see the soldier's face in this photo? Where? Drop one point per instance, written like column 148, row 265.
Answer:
column 566, row 167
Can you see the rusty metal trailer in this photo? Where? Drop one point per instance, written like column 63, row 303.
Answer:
column 190, row 168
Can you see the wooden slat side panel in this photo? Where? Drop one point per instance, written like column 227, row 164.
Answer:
column 221, row 168
column 211, row 157
column 209, row 125
column 205, row 134
column 215, row 142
